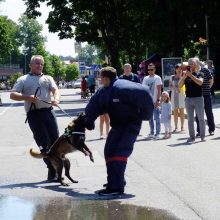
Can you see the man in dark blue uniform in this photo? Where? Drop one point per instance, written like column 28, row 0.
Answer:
column 127, row 105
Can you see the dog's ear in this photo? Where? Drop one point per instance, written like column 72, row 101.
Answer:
column 70, row 125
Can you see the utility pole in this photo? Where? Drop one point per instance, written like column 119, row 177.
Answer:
column 207, row 36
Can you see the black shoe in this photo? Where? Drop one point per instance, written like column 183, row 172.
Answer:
column 105, row 185
column 110, row 192
column 211, row 133
column 198, row 135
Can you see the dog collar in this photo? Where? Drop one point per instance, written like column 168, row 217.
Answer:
column 76, row 132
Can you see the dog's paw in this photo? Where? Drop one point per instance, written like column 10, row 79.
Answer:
column 64, row 184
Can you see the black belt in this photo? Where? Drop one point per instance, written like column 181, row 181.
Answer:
column 42, row 109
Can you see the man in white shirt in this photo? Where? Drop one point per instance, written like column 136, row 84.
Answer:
column 154, row 83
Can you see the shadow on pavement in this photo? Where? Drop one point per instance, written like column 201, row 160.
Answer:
column 17, row 104
column 66, row 190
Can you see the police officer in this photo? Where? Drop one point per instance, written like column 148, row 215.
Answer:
column 127, row 105
column 30, row 88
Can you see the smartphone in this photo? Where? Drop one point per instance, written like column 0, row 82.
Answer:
column 188, row 68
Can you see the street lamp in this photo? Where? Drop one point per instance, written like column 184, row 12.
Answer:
column 207, row 36
column 25, row 61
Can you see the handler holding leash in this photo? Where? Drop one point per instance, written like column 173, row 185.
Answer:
column 41, row 118
column 127, row 103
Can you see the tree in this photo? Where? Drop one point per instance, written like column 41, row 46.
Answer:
column 123, row 29
column 5, row 41
column 71, row 72
column 29, row 36
column 58, row 68
column 88, row 54
column 14, row 78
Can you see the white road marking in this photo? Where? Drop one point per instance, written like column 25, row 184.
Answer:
column 5, row 109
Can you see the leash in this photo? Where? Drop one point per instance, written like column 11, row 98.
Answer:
column 57, row 106
column 35, row 95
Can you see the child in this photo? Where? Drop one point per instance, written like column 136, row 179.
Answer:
column 166, row 111
column 83, row 88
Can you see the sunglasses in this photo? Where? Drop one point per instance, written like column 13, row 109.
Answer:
column 150, row 70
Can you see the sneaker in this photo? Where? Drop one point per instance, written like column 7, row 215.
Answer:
column 156, row 136
column 198, row 135
column 101, row 137
column 190, row 140
column 211, row 133
column 110, row 192
column 150, row 136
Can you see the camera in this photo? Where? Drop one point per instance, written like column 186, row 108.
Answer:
column 188, row 68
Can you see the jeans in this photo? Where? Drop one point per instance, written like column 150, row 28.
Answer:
column 156, row 117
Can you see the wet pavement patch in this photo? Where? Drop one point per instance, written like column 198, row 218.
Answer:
column 65, row 208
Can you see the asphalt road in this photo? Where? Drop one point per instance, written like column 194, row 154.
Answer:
column 172, row 179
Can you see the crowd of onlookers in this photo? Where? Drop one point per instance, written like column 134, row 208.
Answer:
column 190, row 92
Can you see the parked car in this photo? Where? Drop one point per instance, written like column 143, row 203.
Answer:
column 70, row 84
column 77, row 83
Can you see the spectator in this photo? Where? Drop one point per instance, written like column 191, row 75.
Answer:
column 91, row 84
column 129, row 75
column 177, row 97
column 154, row 83
column 206, row 92
column 104, row 119
column 193, row 80
column 83, row 87
column 211, row 68
column 166, row 112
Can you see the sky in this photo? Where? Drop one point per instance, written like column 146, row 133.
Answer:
column 13, row 9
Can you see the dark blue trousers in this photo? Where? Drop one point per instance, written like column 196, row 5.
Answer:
column 209, row 114
column 119, row 146
column 43, row 125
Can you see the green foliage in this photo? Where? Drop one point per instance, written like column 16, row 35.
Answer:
column 14, row 78
column 126, row 28
column 29, row 36
column 88, row 54
column 71, row 72
column 6, row 41
column 57, row 66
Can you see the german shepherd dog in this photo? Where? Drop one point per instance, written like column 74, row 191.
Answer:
column 73, row 139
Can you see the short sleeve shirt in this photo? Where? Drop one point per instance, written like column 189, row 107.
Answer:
column 193, row 89
column 207, row 77
column 28, row 84
column 152, row 83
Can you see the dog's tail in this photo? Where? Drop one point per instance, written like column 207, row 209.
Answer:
column 37, row 154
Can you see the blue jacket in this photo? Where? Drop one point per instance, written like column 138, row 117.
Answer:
column 126, row 103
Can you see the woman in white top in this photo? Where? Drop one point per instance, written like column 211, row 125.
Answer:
column 177, row 97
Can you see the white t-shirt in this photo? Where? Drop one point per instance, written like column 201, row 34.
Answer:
column 152, row 82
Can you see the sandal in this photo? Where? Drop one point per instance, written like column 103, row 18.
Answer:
column 175, row 130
